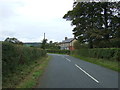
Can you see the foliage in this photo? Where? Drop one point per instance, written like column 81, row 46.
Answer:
column 78, row 45
column 43, row 46
column 58, row 51
column 102, row 62
column 37, row 69
column 13, row 40
column 102, row 53
column 96, row 23
column 16, row 56
column 53, row 46
column 49, row 45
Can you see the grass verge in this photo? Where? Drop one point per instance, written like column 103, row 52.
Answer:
column 26, row 76
column 31, row 80
column 102, row 62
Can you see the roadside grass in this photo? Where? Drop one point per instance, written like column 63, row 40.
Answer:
column 114, row 65
column 31, row 80
column 28, row 76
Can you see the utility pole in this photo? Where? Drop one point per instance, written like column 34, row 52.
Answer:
column 44, row 42
column 44, row 36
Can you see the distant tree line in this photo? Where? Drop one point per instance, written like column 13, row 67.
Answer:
column 44, row 44
column 49, row 45
column 96, row 23
column 13, row 40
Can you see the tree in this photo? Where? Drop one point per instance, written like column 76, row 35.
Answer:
column 43, row 46
column 83, row 17
column 95, row 23
column 52, row 45
column 13, row 40
column 77, row 45
column 51, row 42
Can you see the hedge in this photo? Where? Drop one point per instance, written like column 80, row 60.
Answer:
column 14, row 56
column 103, row 53
column 59, row 51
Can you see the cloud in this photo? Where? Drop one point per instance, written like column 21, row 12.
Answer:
column 27, row 20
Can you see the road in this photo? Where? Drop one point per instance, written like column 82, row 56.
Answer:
column 65, row 71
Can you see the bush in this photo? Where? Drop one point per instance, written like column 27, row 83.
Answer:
column 78, row 45
column 14, row 56
column 103, row 53
column 59, row 51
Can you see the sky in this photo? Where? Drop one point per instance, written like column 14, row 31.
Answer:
column 28, row 20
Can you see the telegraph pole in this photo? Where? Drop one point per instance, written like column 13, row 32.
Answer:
column 44, row 36
column 44, row 42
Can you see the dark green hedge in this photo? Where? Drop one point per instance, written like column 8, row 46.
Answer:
column 14, row 56
column 103, row 53
column 59, row 51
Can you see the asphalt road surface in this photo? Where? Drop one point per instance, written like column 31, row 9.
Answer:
column 65, row 71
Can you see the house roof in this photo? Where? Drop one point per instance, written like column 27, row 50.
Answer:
column 68, row 40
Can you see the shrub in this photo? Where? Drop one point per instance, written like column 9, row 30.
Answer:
column 59, row 51
column 103, row 53
column 14, row 56
column 78, row 45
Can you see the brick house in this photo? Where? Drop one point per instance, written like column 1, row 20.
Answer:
column 67, row 44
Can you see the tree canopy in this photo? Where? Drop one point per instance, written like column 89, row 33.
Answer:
column 13, row 40
column 96, row 23
column 44, row 42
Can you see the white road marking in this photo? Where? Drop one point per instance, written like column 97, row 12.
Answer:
column 68, row 59
column 87, row 73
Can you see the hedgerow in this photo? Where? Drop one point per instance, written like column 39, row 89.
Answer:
column 103, row 53
column 16, row 56
column 59, row 51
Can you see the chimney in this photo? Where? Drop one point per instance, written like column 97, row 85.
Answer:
column 65, row 38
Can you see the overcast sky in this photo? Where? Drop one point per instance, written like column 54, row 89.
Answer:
column 27, row 20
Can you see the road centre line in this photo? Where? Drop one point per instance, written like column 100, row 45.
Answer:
column 87, row 73
column 68, row 59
